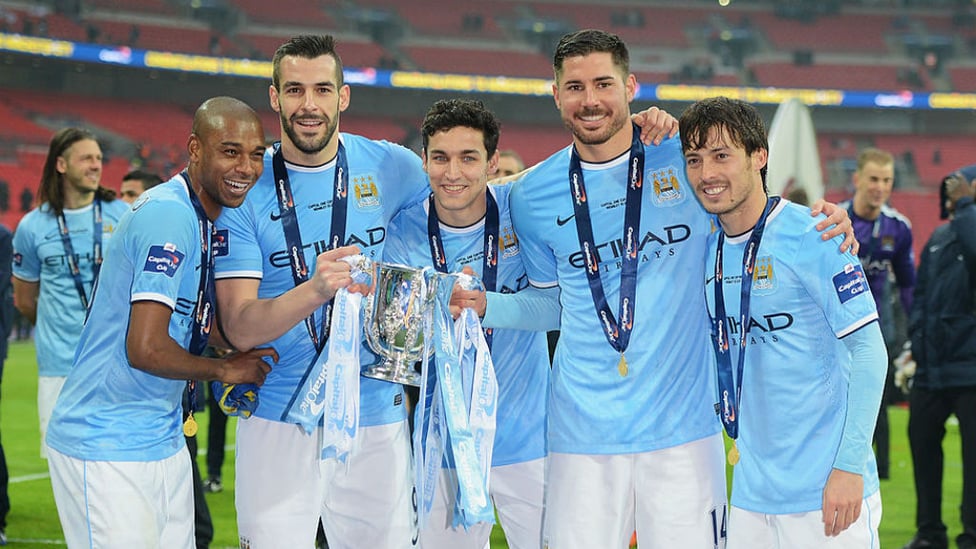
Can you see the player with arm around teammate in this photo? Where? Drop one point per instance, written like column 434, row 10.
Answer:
column 632, row 438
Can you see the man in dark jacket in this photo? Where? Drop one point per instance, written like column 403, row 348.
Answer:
column 943, row 334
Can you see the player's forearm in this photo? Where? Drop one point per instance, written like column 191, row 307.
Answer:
column 28, row 311
column 165, row 358
column 25, row 298
column 869, row 365
column 534, row 309
column 254, row 322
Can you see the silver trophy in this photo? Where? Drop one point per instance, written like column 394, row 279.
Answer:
column 399, row 305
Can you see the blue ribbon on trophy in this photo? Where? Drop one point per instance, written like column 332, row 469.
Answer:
column 462, row 406
column 331, row 390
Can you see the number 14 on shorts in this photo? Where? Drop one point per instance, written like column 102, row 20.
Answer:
column 719, row 526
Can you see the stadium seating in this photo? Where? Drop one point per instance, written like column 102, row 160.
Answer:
column 471, row 61
column 287, row 12
column 465, row 18
column 835, row 76
column 857, row 47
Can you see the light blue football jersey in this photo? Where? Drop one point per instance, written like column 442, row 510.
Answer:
column 383, row 179
column 667, row 398
column 108, row 410
column 39, row 256
column 805, row 295
column 521, row 358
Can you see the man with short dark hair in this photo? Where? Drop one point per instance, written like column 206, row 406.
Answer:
column 632, row 435
column 464, row 217
column 800, row 357
column 324, row 196
column 135, row 183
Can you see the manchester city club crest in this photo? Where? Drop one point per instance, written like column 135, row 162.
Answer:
column 666, row 186
column 763, row 277
column 365, row 192
column 509, row 246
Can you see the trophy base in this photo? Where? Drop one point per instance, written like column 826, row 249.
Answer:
column 394, row 374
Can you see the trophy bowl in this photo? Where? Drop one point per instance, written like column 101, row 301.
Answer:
column 399, row 305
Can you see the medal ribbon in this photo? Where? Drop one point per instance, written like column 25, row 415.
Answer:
column 489, row 266
column 296, row 253
column 69, row 249
column 481, row 392
column 429, row 432
column 204, row 309
column 331, row 386
column 293, row 235
column 618, row 334
column 341, row 367
column 730, row 389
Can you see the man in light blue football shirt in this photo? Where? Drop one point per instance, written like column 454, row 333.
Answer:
column 800, row 357
column 461, row 219
column 330, row 195
column 119, row 468
column 58, row 253
column 632, row 436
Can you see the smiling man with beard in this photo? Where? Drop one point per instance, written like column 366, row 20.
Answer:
column 330, row 195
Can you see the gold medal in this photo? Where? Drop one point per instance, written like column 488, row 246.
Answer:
column 190, row 426
column 733, row 454
column 622, row 366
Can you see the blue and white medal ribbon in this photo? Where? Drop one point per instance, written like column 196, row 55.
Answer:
column 428, row 434
column 472, row 502
column 331, row 389
column 481, row 391
column 342, row 376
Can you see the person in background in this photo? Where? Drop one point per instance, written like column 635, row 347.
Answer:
column 58, row 251
column 509, row 163
column 886, row 253
column 803, row 372
column 135, row 183
column 942, row 329
column 6, row 326
column 119, row 469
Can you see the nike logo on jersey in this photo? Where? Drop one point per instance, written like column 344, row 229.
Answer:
column 560, row 221
column 275, row 217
